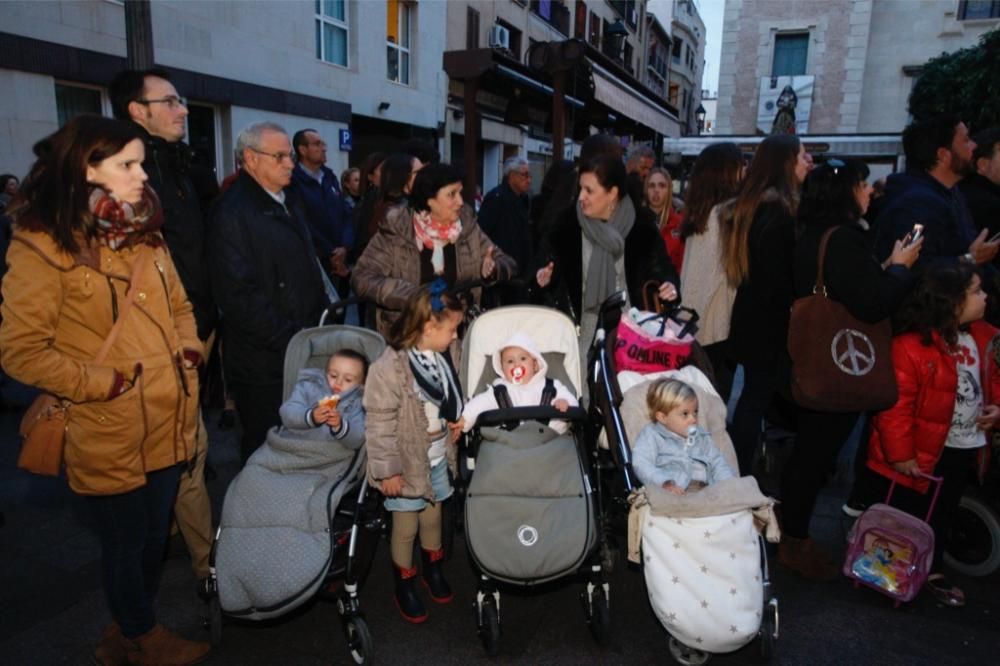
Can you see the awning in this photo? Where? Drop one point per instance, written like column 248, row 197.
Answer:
column 629, row 102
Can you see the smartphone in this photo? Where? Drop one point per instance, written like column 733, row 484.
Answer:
column 915, row 234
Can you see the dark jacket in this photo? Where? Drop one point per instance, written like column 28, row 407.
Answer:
column 265, row 279
column 328, row 218
column 917, row 197
column 758, row 331
column 852, row 275
column 504, row 217
column 168, row 165
column 982, row 196
column 645, row 260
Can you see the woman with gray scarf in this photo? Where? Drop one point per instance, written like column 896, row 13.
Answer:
column 604, row 243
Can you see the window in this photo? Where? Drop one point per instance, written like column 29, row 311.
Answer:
column 74, row 100
column 553, row 12
column 595, row 31
column 628, row 57
column 513, row 38
column 331, row 31
column 397, row 41
column 472, row 28
column 673, row 94
column 675, row 54
column 978, row 9
column 580, row 27
column 790, row 53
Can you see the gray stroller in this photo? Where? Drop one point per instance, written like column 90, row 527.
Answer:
column 297, row 520
column 531, row 510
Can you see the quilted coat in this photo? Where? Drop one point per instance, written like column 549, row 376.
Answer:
column 917, row 425
column 57, row 311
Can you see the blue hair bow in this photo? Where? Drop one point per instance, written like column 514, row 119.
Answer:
column 437, row 289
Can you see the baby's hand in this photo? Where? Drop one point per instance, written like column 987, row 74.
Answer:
column 671, row 488
column 334, row 419
column 561, row 404
column 455, row 429
column 321, row 414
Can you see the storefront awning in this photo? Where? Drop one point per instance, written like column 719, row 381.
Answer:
column 626, row 100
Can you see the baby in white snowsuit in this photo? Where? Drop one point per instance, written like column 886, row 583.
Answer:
column 522, row 370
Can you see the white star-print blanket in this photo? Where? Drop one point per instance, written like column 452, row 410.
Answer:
column 703, row 577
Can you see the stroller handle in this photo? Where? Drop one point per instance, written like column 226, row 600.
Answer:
column 336, row 306
column 495, row 417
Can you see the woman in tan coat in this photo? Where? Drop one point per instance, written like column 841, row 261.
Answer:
column 86, row 242
column 435, row 236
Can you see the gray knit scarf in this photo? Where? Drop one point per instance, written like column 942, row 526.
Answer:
column 608, row 241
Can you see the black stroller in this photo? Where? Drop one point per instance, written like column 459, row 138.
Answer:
column 298, row 520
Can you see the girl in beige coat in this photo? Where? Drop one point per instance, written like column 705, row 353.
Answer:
column 413, row 402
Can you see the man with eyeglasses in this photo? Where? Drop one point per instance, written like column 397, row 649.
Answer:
column 265, row 276
column 149, row 99
column 327, row 216
column 504, row 217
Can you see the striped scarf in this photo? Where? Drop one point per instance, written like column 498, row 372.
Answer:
column 438, row 382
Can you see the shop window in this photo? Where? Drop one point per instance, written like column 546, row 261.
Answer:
column 331, row 31
column 397, row 28
column 790, row 52
column 74, row 100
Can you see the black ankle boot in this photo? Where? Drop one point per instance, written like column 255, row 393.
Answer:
column 409, row 604
column 438, row 587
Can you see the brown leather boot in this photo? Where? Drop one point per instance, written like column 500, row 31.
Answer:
column 110, row 650
column 807, row 559
column 162, row 647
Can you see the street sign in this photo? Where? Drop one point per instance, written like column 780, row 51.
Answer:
column 345, row 139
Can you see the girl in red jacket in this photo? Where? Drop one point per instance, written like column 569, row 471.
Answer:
column 945, row 359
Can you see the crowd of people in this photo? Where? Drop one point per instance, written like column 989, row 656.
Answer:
column 114, row 221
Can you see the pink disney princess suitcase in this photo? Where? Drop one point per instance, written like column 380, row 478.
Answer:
column 891, row 551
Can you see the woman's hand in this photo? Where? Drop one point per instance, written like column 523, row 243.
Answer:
column 988, row 418
column 667, row 292
column 907, row 467
column 544, row 275
column 489, row 265
column 905, row 255
column 393, row 486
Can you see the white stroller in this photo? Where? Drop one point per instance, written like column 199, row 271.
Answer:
column 531, row 509
column 702, row 554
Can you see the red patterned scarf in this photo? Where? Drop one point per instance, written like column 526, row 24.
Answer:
column 121, row 224
column 434, row 236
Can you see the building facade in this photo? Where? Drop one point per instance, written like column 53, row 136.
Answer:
column 489, row 45
column 371, row 68
column 687, row 62
column 840, row 66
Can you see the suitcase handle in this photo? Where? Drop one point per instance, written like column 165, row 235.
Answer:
column 937, row 480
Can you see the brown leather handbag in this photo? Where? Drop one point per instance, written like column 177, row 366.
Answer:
column 839, row 364
column 43, row 427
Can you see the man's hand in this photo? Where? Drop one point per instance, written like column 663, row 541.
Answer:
column 544, row 275
column 393, row 486
column 983, row 251
column 338, row 262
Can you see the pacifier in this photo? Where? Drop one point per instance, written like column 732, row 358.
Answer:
column 517, row 374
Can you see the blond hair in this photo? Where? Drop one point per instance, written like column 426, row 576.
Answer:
column 666, row 394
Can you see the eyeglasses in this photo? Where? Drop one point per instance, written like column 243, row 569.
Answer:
column 172, row 102
column 277, row 157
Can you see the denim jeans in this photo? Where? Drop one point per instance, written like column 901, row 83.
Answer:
column 133, row 528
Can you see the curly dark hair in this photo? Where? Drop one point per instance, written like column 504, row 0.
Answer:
column 828, row 194
column 935, row 303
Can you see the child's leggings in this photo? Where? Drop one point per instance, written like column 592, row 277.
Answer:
column 406, row 524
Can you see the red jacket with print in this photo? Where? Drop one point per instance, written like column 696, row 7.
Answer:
column 917, row 425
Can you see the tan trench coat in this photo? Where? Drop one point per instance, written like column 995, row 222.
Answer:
column 57, row 311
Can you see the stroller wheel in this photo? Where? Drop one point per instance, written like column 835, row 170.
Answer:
column 359, row 640
column 600, row 617
column 769, row 630
column 215, row 621
column 489, row 630
column 688, row 656
column 974, row 539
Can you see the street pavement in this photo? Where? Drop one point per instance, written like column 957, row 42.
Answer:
column 52, row 607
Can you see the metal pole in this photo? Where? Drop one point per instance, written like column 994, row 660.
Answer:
column 559, row 114
column 469, row 153
column 138, row 34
